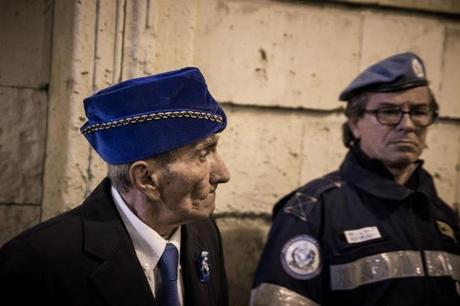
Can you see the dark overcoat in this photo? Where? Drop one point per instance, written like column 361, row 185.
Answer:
column 86, row 257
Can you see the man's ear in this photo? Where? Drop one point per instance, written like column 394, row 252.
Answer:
column 144, row 178
column 353, row 125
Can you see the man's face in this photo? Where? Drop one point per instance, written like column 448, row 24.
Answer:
column 188, row 183
column 394, row 145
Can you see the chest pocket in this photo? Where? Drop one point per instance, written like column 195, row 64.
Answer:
column 368, row 256
column 364, row 241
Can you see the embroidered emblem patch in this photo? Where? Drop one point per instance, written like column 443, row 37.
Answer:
column 301, row 258
column 418, row 68
column 362, row 234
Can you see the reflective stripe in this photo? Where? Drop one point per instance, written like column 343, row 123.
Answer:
column 376, row 268
column 269, row 294
column 390, row 265
column 443, row 264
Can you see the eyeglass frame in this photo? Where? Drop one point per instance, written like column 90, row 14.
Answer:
column 375, row 112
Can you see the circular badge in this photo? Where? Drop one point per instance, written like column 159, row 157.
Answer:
column 418, row 68
column 300, row 257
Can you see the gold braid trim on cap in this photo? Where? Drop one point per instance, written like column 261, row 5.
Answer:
column 155, row 116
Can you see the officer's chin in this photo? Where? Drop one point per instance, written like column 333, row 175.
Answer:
column 402, row 161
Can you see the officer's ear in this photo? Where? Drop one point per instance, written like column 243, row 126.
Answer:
column 353, row 126
column 144, row 178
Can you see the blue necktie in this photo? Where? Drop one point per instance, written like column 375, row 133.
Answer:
column 167, row 293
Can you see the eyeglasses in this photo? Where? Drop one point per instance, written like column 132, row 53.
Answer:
column 392, row 115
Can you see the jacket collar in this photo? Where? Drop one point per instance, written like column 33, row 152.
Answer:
column 119, row 278
column 379, row 184
column 197, row 292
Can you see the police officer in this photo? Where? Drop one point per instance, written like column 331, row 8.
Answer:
column 144, row 236
column 374, row 232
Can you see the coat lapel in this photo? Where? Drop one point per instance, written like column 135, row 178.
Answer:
column 119, row 278
column 195, row 292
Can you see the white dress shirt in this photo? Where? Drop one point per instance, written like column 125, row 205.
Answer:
column 149, row 245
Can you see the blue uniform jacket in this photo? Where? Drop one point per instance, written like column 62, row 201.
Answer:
column 356, row 237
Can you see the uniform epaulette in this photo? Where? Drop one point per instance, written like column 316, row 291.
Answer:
column 301, row 201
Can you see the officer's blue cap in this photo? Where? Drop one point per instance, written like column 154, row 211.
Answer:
column 398, row 72
column 145, row 117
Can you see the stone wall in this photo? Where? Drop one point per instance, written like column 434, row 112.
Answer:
column 276, row 66
column 25, row 44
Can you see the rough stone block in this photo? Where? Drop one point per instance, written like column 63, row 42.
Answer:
column 25, row 40
column 243, row 241
column 16, row 218
column 22, row 144
column 385, row 34
column 322, row 148
column 108, row 53
column 174, row 25
column 450, row 89
column 107, row 71
column 262, row 152
column 442, row 159
column 66, row 179
column 271, row 53
column 159, row 36
column 139, row 46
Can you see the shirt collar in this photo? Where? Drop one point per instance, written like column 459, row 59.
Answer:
column 149, row 245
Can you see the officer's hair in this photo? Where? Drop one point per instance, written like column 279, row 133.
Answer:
column 119, row 174
column 355, row 109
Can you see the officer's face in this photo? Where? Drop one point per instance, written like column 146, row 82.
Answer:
column 188, row 183
column 394, row 145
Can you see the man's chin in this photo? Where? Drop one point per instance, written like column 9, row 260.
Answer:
column 403, row 160
column 204, row 209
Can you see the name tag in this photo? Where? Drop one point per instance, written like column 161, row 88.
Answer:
column 362, row 234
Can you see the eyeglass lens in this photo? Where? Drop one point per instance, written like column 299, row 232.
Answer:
column 421, row 116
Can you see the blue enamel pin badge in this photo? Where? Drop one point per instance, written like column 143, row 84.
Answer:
column 202, row 267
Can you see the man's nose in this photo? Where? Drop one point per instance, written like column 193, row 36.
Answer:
column 406, row 122
column 219, row 171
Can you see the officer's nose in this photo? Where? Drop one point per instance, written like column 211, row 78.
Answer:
column 406, row 123
column 219, row 172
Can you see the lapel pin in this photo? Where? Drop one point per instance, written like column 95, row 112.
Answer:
column 202, row 266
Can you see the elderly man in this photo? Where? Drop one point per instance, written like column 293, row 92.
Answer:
column 374, row 232
column 144, row 236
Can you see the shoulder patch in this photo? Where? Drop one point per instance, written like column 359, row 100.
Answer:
column 304, row 199
column 301, row 258
column 300, row 205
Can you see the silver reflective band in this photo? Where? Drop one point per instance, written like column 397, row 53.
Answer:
column 269, row 294
column 443, row 264
column 376, row 268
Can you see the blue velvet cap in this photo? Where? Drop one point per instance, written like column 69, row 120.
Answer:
column 398, row 72
column 145, row 117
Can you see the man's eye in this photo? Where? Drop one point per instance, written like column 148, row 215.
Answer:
column 203, row 154
column 421, row 111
